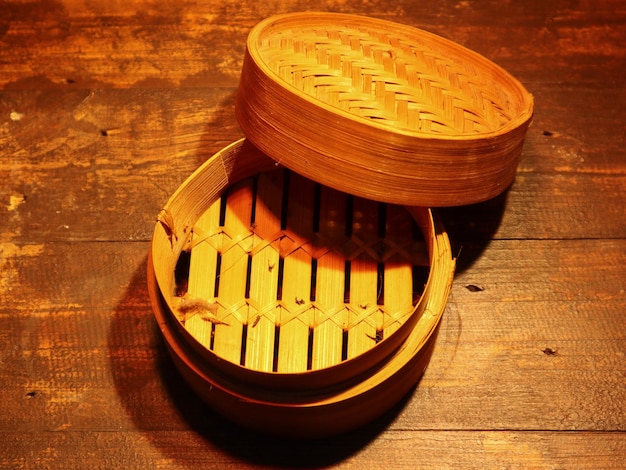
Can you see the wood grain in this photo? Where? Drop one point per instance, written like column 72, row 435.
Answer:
column 105, row 109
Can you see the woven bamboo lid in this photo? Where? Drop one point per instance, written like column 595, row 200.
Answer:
column 281, row 298
column 381, row 110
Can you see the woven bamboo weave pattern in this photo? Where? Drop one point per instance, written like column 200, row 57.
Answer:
column 397, row 81
column 381, row 110
column 295, row 276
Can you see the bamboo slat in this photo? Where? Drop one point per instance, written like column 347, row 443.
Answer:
column 202, row 276
column 233, row 273
column 406, row 116
column 331, row 316
column 364, row 285
column 264, row 273
column 399, row 275
column 296, row 317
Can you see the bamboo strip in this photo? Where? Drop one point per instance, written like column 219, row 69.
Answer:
column 264, row 273
column 363, row 309
column 331, row 315
column 296, row 314
column 294, row 324
column 364, row 278
column 202, row 275
column 233, row 274
column 398, row 272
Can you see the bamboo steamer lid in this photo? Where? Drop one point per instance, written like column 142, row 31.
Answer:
column 381, row 110
column 269, row 350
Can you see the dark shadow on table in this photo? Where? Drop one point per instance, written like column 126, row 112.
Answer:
column 471, row 228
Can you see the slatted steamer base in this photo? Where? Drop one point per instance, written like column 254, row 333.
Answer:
column 294, row 295
column 287, row 275
column 290, row 307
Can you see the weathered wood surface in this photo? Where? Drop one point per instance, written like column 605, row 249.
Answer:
column 105, row 108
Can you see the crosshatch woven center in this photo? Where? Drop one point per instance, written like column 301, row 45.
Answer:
column 400, row 81
column 286, row 275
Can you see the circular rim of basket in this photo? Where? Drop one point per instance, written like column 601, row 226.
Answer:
column 371, row 159
column 312, row 415
column 171, row 236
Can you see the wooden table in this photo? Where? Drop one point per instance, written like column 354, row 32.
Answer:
column 106, row 107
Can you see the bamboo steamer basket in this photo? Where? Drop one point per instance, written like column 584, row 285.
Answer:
column 256, row 334
column 381, row 110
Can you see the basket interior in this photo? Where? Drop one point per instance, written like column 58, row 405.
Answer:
column 286, row 275
column 408, row 80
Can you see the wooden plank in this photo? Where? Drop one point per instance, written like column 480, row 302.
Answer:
column 126, row 50
column 571, row 134
column 549, row 270
column 120, row 180
column 162, row 136
column 539, row 372
column 71, row 357
column 105, row 379
column 547, row 206
column 143, row 124
column 406, row 449
column 489, row 367
column 121, row 52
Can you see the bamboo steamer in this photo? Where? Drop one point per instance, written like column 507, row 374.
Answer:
column 298, row 276
column 381, row 110
column 266, row 335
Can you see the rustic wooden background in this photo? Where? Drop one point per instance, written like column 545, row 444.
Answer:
column 107, row 106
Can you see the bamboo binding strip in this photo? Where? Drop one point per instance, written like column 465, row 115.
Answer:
column 381, row 110
column 248, row 276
